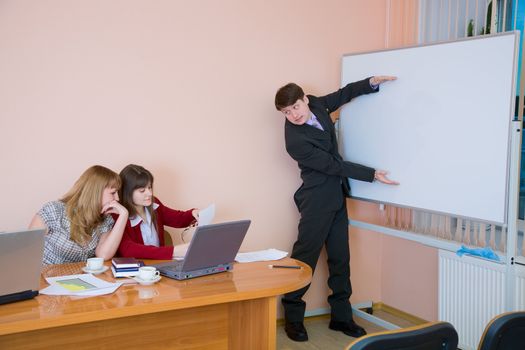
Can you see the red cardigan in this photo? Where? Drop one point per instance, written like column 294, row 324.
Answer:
column 132, row 244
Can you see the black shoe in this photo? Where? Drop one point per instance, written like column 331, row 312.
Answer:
column 349, row 328
column 296, row 331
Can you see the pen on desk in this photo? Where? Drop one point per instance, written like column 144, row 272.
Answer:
column 284, row 267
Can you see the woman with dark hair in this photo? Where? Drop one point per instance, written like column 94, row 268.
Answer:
column 143, row 236
column 79, row 226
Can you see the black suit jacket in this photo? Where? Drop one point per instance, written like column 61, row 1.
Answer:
column 323, row 171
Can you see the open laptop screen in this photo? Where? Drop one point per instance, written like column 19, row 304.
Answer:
column 215, row 244
column 20, row 263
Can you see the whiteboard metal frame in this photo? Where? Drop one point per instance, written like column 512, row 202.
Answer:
column 512, row 198
column 505, row 214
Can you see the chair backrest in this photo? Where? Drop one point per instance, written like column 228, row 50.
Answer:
column 504, row 332
column 167, row 238
column 428, row 336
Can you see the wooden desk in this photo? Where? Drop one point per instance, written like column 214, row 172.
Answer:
column 232, row 310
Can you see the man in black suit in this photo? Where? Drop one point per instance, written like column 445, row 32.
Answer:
column 311, row 141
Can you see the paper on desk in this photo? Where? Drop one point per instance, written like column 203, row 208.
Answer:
column 206, row 215
column 179, row 251
column 79, row 285
column 261, row 255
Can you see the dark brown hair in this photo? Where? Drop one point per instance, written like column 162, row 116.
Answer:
column 134, row 177
column 288, row 95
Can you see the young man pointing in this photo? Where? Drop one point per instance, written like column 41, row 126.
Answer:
column 321, row 199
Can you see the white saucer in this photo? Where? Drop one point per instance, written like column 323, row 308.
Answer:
column 94, row 272
column 148, row 282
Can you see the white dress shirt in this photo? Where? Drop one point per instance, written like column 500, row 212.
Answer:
column 148, row 230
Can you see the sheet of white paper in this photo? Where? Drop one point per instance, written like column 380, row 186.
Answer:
column 261, row 255
column 57, row 290
column 179, row 251
column 52, row 290
column 206, row 215
column 100, row 291
column 79, row 285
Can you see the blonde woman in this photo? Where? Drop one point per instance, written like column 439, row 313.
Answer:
column 79, row 226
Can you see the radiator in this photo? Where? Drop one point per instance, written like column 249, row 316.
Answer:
column 520, row 287
column 471, row 293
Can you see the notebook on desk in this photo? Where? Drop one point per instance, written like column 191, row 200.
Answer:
column 212, row 250
column 21, row 255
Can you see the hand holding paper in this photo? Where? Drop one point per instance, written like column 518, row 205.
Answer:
column 206, row 215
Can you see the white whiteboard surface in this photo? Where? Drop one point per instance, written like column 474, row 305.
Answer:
column 442, row 129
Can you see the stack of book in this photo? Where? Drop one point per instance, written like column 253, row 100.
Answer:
column 125, row 267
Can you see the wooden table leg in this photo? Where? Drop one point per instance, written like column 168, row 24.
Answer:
column 253, row 324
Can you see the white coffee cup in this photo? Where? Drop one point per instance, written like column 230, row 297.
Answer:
column 95, row 264
column 148, row 273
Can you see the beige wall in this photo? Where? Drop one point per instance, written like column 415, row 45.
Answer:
column 184, row 88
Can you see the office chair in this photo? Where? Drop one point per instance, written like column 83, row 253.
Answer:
column 428, row 336
column 504, row 332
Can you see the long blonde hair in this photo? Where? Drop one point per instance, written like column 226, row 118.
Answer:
column 84, row 201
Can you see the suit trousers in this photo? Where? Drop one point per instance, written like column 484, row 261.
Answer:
column 315, row 230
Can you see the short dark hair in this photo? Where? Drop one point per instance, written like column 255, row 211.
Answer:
column 288, row 95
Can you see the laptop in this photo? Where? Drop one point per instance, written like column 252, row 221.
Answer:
column 21, row 254
column 212, row 250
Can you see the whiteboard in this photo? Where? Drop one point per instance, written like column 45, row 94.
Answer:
column 442, row 129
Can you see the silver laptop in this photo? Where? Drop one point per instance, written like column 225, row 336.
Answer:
column 212, row 250
column 20, row 264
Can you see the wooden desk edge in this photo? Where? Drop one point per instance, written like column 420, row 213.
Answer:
column 98, row 315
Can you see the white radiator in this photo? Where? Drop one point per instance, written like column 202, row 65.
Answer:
column 471, row 293
column 520, row 287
